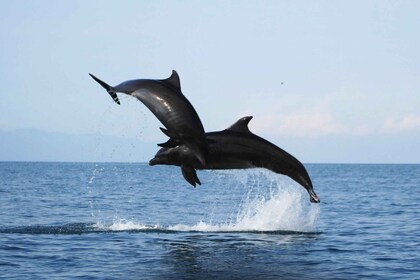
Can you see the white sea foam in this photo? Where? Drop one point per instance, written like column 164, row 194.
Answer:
column 124, row 225
column 283, row 210
column 269, row 203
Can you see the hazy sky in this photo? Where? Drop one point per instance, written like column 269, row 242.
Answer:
column 327, row 80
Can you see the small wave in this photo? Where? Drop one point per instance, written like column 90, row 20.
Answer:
column 81, row 228
column 73, row 228
column 203, row 227
column 131, row 227
column 127, row 225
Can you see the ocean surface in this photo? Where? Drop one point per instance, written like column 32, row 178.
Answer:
column 134, row 221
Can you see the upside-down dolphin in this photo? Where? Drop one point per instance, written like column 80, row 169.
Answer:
column 237, row 148
column 166, row 101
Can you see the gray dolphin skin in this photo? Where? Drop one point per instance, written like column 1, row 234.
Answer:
column 237, row 148
column 166, row 101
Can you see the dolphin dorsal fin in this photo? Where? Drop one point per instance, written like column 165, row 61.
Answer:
column 173, row 80
column 241, row 125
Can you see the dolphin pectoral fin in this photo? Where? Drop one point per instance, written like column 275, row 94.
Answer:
column 201, row 158
column 199, row 152
column 108, row 88
column 190, row 175
column 167, row 132
column 173, row 140
column 171, row 143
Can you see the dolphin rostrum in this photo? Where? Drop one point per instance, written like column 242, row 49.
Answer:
column 237, row 148
column 166, row 101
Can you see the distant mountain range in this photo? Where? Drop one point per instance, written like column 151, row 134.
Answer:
column 37, row 145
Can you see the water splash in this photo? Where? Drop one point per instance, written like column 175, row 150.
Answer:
column 95, row 173
column 283, row 210
column 253, row 200
column 284, row 206
column 124, row 225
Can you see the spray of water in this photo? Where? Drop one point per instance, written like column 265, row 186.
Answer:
column 120, row 224
column 269, row 203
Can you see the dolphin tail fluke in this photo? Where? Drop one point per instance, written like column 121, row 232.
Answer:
column 108, row 88
column 190, row 175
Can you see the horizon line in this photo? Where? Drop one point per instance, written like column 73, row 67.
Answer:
column 145, row 162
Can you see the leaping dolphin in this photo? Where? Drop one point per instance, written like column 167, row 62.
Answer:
column 237, row 148
column 166, row 101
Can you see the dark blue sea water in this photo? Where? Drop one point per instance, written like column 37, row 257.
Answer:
column 133, row 221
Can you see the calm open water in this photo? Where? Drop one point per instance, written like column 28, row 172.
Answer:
column 133, row 221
